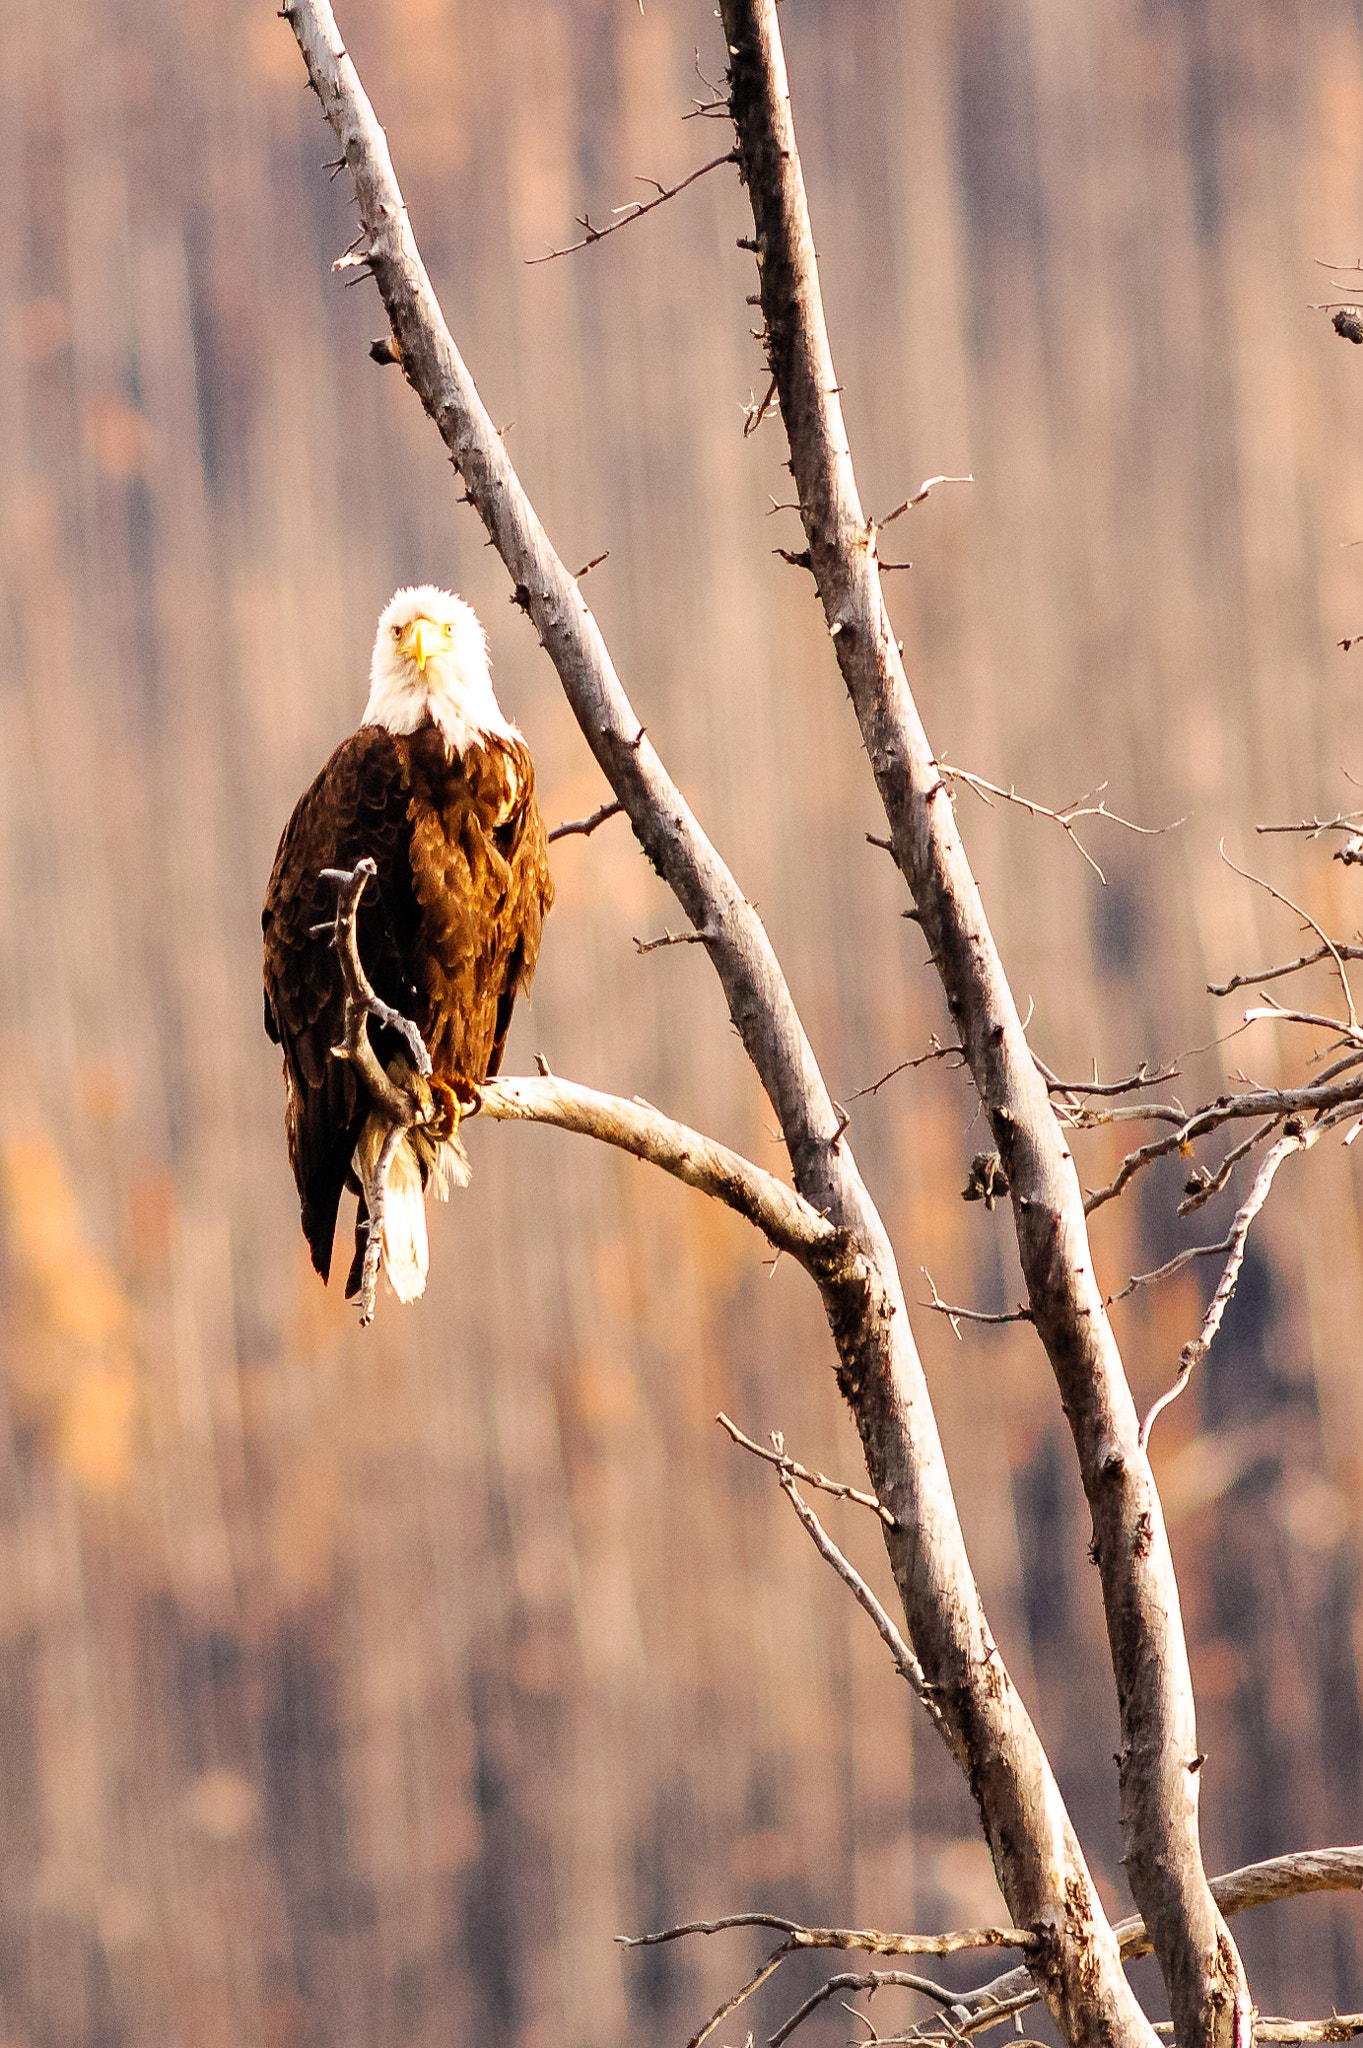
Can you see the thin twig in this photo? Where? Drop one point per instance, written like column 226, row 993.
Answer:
column 586, row 826
column 955, row 1315
column 906, row 1664
column 1293, row 1140
column 1142, row 1078
column 754, row 412
column 1065, row 817
column 636, row 210
column 1343, row 821
column 1326, row 952
column 836, row 1487
column 936, row 1051
column 870, row 1940
column 879, row 525
column 852, row 1980
column 704, row 936
column 1306, row 918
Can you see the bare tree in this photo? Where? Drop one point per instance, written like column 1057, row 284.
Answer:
column 1073, row 1956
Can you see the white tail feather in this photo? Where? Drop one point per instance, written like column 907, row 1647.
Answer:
column 406, row 1248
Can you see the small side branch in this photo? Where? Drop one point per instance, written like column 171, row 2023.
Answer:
column 1331, row 948
column 1066, row 817
column 361, row 1002
column 704, row 936
column 956, row 1316
column 636, row 210
column 1341, row 2026
column 403, row 1107
column 1294, row 1139
column 777, row 1456
column 868, row 1939
column 584, row 827
column 1343, row 821
column 1326, row 952
column 865, row 1980
column 905, row 1663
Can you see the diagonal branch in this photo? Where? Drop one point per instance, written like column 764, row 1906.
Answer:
column 783, row 1216
column 777, row 1456
column 1294, row 1139
column 1208, row 1992
column 625, row 215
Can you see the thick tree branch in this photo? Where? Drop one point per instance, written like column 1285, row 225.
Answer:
column 1256, row 1884
column 1209, row 1996
column 784, row 1218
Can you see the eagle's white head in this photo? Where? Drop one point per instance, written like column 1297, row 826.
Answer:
column 430, row 661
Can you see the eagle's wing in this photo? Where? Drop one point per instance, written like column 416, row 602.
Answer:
column 480, row 875
column 358, row 805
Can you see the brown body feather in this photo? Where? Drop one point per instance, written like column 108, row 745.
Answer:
column 449, row 931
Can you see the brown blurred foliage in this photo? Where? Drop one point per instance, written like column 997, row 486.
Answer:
column 360, row 1688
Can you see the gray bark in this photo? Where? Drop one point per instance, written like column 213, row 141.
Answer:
column 1159, row 1761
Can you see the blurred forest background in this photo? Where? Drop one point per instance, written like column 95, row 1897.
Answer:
column 359, row 1687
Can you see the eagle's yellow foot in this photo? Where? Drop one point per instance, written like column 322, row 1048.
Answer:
column 454, row 1098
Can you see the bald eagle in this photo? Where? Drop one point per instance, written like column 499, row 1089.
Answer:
column 438, row 788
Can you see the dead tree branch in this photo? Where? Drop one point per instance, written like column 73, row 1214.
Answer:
column 1256, row 1884
column 1087, row 1993
column 870, row 1940
column 584, row 827
column 1065, row 817
column 784, row 1217
column 777, row 1456
column 905, row 1663
column 1324, row 1099
column 1332, row 951
column 1294, row 1139
column 403, row 1107
column 1307, row 919
column 864, row 1980
column 625, row 216
column 1341, row 2026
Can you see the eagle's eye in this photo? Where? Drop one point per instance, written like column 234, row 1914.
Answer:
column 449, row 628
column 397, row 632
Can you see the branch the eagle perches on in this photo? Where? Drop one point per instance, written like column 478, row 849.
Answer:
column 789, row 1223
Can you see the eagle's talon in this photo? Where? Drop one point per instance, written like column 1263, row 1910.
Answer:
column 445, row 1108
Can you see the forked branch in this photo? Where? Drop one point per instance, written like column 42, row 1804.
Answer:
column 404, row 1107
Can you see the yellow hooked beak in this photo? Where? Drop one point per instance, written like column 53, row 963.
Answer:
column 419, row 641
